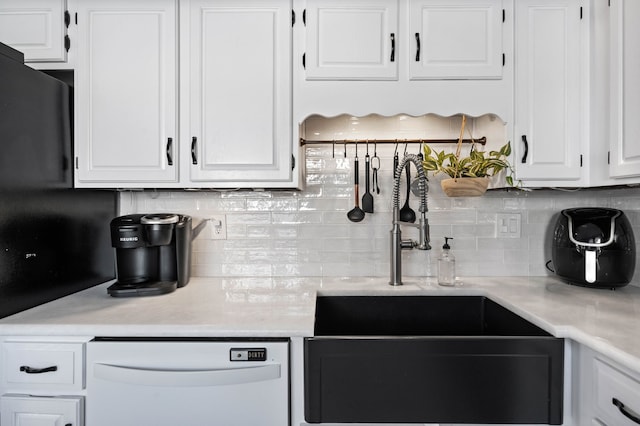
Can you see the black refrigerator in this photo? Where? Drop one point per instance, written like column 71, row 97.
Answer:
column 54, row 239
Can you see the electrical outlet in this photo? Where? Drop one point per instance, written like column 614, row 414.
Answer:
column 218, row 227
column 508, row 225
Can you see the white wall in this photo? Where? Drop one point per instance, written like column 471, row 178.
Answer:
column 306, row 233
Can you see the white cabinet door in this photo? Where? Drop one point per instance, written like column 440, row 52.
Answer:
column 351, row 40
column 240, row 93
column 607, row 393
column 126, row 114
column 24, row 410
column 36, row 28
column 548, row 73
column 459, row 39
column 625, row 88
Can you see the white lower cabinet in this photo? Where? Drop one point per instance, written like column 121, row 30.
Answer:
column 608, row 393
column 25, row 410
column 36, row 367
column 42, row 381
column 617, row 396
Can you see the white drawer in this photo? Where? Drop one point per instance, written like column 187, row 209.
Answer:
column 617, row 395
column 16, row 410
column 43, row 366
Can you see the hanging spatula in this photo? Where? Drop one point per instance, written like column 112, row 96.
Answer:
column 367, row 198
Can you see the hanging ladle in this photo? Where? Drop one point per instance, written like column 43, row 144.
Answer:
column 356, row 214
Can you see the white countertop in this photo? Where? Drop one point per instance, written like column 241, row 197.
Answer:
column 607, row 321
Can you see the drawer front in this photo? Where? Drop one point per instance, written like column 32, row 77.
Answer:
column 617, row 395
column 24, row 410
column 434, row 380
column 43, row 366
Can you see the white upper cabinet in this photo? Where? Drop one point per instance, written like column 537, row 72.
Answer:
column 351, row 39
column 231, row 89
column 239, row 87
column 37, row 28
column 126, row 92
column 362, row 39
column 455, row 39
column 549, row 71
column 625, row 88
column 413, row 57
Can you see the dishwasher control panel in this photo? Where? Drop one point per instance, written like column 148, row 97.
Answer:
column 248, row 354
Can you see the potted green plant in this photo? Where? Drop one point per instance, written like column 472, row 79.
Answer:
column 468, row 176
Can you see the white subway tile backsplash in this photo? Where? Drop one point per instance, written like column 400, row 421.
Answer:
column 476, row 230
column 307, row 233
column 272, row 205
column 247, row 269
column 249, row 218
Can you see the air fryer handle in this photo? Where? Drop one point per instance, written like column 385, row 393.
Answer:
column 590, row 266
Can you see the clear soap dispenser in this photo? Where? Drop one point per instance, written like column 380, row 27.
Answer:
column 447, row 265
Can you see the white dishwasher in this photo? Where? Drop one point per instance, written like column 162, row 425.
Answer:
column 160, row 382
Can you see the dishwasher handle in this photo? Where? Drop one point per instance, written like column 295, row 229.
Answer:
column 185, row 378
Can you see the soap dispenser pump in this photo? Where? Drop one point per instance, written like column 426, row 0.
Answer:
column 446, row 265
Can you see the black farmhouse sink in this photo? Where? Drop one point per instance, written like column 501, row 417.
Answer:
column 430, row 359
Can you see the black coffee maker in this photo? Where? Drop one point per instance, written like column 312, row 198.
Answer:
column 153, row 253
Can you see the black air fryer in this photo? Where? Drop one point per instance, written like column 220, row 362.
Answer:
column 594, row 247
column 153, row 253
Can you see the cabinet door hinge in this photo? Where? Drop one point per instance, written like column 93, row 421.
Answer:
column 293, row 162
column 504, row 16
column 67, row 18
column 293, row 17
column 304, row 61
column 67, row 43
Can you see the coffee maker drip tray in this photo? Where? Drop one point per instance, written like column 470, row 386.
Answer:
column 149, row 288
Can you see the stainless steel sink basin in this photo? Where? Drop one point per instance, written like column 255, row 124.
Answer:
column 430, row 359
